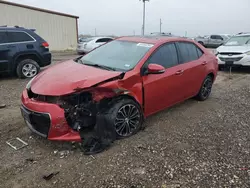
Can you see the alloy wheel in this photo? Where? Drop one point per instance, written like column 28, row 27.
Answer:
column 127, row 120
column 206, row 88
column 29, row 70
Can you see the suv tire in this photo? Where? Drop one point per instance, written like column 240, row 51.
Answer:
column 27, row 68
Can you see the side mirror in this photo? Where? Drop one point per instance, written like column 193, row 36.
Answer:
column 155, row 69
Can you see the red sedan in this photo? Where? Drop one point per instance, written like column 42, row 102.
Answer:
column 129, row 79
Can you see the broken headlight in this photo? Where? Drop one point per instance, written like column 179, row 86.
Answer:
column 29, row 83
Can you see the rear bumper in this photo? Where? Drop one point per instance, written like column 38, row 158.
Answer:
column 47, row 120
column 46, row 59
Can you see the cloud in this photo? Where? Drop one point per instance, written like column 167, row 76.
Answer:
column 123, row 17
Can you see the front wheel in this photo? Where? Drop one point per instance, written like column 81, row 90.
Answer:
column 127, row 117
column 206, row 89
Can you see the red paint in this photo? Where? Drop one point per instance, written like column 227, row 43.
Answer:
column 154, row 92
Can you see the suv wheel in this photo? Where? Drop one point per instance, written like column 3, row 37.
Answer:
column 27, row 68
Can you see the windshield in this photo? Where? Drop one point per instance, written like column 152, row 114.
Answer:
column 119, row 55
column 238, row 41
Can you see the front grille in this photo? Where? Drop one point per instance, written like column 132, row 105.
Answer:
column 37, row 122
column 230, row 58
column 230, row 53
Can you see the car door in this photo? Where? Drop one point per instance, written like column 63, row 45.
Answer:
column 194, row 67
column 216, row 40
column 163, row 90
column 212, row 41
column 4, row 60
column 7, row 51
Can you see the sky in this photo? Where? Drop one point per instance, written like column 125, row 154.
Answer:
column 124, row 17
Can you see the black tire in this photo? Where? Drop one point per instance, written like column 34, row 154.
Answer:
column 221, row 67
column 27, row 62
column 205, row 89
column 114, row 113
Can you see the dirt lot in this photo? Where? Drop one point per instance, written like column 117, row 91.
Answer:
column 194, row 144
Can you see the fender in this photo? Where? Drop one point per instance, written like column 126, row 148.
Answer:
column 19, row 54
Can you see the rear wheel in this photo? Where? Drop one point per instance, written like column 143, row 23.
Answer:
column 27, row 68
column 127, row 117
column 206, row 89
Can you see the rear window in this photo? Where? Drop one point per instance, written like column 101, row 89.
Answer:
column 85, row 39
column 19, row 37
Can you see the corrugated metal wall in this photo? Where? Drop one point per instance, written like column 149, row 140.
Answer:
column 59, row 31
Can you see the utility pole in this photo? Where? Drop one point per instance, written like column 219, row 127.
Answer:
column 160, row 25
column 144, row 11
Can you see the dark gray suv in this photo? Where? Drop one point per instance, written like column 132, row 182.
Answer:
column 22, row 52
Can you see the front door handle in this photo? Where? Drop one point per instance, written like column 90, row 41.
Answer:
column 179, row 72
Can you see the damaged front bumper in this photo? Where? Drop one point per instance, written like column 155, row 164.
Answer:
column 47, row 120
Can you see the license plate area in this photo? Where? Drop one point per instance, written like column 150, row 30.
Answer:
column 228, row 63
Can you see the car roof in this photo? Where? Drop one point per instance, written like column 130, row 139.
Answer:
column 154, row 39
column 13, row 28
column 244, row 34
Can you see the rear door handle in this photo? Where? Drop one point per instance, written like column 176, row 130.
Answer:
column 179, row 72
column 204, row 63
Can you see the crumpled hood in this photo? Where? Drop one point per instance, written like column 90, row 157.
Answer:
column 65, row 77
column 238, row 49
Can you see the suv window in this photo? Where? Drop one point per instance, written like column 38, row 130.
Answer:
column 166, row 56
column 3, row 37
column 104, row 40
column 216, row 37
column 14, row 36
column 189, row 52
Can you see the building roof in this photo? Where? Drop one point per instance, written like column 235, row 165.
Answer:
column 38, row 9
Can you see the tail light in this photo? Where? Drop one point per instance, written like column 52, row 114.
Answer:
column 45, row 45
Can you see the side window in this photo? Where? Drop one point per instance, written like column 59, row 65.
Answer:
column 166, row 56
column 18, row 37
column 3, row 37
column 188, row 52
column 103, row 40
column 107, row 39
column 220, row 37
column 213, row 37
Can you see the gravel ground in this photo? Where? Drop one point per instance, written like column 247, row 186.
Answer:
column 194, row 144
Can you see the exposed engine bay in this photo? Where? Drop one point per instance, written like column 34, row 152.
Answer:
column 87, row 112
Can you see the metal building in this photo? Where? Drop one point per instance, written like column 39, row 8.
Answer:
column 58, row 29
